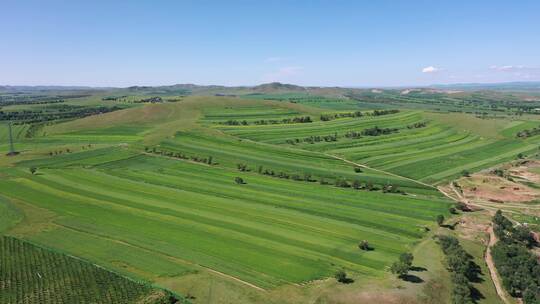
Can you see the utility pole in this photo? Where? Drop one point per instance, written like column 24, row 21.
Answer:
column 12, row 151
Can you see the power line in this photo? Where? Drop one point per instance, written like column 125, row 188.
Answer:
column 11, row 145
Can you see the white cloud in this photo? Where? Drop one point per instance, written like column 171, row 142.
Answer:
column 430, row 69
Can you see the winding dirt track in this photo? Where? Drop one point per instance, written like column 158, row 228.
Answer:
column 492, row 241
column 491, row 265
column 458, row 198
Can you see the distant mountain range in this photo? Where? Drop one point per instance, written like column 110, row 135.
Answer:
column 274, row 87
column 507, row 86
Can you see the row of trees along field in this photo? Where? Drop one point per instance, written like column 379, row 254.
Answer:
column 516, row 264
column 209, row 160
column 307, row 119
column 300, row 119
column 328, row 117
column 373, row 131
column 59, row 113
column 308, row 177
column 528, row 133
column 464, row 271
column 15, row 99
column 338, row 181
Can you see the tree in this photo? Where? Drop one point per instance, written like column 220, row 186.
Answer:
column 523, row 235
column 531, row 295
column 406, row 258
column 342, row 183
column 239, row 180
column 356, row 184
column 452, row 210
column 33, row 170
column 461, row 292
column 341, row 276
column 465, row 173
column 440, row 219
column 462, row 206
column 399, row 268
column 209, row 160
column 370, row 186
column 364, row 245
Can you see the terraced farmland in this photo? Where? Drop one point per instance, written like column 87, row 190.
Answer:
column 267, row 232
column 434, row 153
column 230, row 151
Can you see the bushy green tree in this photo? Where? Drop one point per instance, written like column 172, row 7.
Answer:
column 364, row 245
column 440, row 219
column 406, row 258
column 400, row 269
column 461, row 291
column 341, row 276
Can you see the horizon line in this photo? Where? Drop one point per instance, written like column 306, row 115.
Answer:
column 273, row 82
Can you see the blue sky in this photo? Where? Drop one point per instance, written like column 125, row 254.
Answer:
column 327, row 43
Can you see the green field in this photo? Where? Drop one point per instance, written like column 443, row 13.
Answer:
column 268, row 232
column 435, row 153
column 134, row 191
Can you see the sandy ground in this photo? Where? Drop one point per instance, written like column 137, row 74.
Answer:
column 488, row 187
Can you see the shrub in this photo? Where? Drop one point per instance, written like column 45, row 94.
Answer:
column 364, row 245
column 341, row 276
column 440, row 219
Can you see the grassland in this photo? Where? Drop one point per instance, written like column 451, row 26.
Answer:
column 120, row 198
